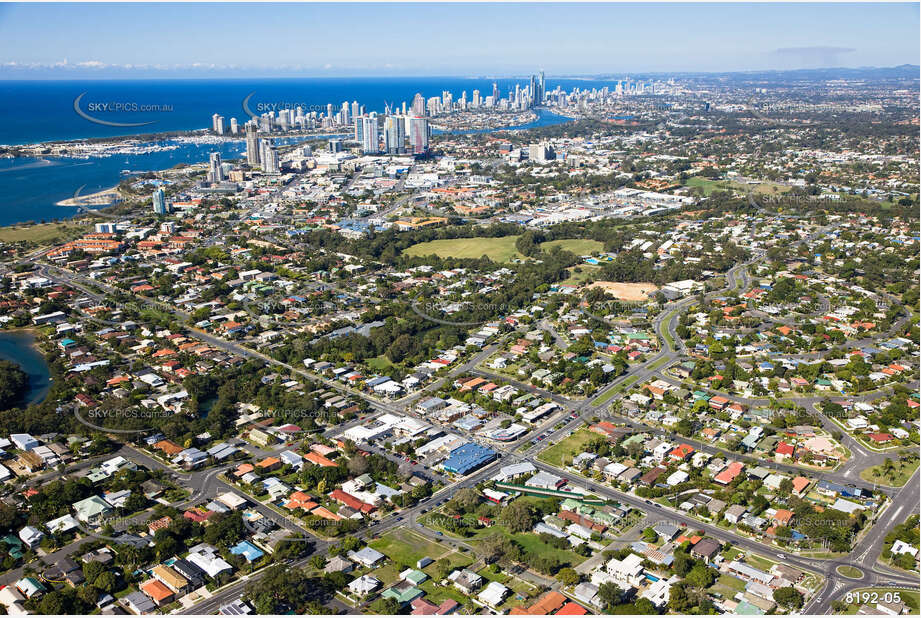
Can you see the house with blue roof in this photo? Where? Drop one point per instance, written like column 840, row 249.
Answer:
column 247, row 550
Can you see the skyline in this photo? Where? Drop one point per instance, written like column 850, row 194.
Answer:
column 60, row 41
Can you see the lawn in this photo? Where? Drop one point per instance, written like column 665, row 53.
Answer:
column 603, row 399
column 709, row 186
column 530, row 542
column 850, row 571
column 900, row 476
column 579, row 246
column 407, row 547
column 379, row 363
column 41, row 232
column 728, row 586
column 758, row 562
column 500, row 249
column 580, row 274
column 567, row 448
column 668, row 337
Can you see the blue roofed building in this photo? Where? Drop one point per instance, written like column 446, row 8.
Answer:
column 247, row 550
column 468, row 457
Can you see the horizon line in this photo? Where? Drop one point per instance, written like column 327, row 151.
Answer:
column 207, row 76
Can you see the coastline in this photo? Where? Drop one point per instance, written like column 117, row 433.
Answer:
column 105, row 198
column 39, row 383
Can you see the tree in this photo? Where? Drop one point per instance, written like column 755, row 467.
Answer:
column 568, row 576
column 517, row 517
column 386, row 607
column 13, row 384
column 700, row 577
column 788, row 597
column 357, row 465
column 609, row 594
column 106, row 582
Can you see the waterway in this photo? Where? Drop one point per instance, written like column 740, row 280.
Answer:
column 20, row 347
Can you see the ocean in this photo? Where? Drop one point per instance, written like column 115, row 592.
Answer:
column 40, row 111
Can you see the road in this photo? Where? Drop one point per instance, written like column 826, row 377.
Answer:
column 864, row 554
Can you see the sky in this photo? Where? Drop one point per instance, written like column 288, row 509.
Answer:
column 63, row 41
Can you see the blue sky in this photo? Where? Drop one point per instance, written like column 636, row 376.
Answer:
column 140, row 40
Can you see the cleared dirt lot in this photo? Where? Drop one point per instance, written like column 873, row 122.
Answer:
column 626, row 291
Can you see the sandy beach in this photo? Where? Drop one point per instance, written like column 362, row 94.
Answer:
column 106, row 197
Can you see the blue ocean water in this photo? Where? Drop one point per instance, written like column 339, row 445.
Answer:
column 37, row 111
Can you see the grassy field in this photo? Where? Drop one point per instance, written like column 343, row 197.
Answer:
column 584, row 272
column 407, row 547
column 563, row 451
column 42, row 232
column 530, row 542
column 901, row 473
column 709, row 186
column 728, row 586
column 579, row 246
column 500, row 249
column 380, row 363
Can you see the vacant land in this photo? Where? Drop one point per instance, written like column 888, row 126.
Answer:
column 626, row 291
column 500, row 249
column 406, row 547
column 579, row 246
column 580, row 274
column 709, row 186
column 41, row 232
column 897, row 476
column 562, row 452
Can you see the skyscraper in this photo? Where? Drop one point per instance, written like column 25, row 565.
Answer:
column 541, row 89
column 252, row 144
column 418, row 135
column 269, row 157
column 217, row 124
column 216, row 171
column 160, row 206
column 418, row 105
column 370, row 137
column 394, row 134
column 359, row 128
column 356, row 111
column 345, row 112
column 234, row 127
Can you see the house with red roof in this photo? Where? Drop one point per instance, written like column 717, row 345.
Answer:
column 784, row 450
column 681, row 452
column 729, row 473
column 352, row 502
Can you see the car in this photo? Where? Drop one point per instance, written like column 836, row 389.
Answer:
column 423, row 511
column 648, row 501
column 439, row 534
column 782, row 556
column 400, row 518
